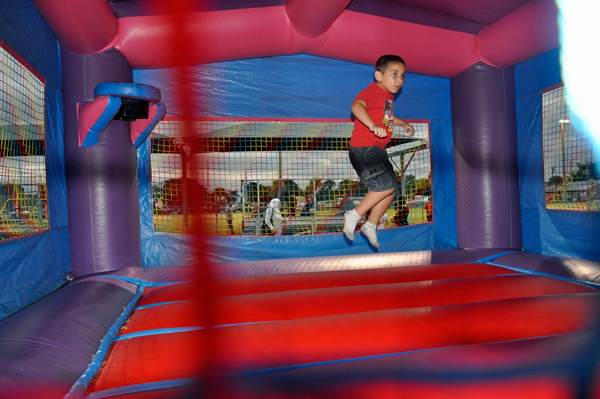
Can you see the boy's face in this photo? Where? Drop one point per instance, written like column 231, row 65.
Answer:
column 392, row 79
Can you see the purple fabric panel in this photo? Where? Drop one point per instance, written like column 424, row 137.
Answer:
column 485, row 158
column 416, row 15
column 52, row 342
column 573, row 268
column 349, row 262
column 102, row 196
column 162, row 274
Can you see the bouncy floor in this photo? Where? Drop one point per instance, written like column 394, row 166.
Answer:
column 430, row 324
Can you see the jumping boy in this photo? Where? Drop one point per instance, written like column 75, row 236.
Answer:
column 373, row 127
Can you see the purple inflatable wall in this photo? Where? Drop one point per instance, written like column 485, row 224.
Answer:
column 102, row 190
column 485, row 158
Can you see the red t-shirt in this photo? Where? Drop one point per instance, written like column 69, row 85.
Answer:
column 380, row 106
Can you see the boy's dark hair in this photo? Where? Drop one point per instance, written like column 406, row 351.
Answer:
column 384, row 60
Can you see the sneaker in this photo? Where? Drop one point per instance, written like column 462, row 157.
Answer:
column 370, row 230
column 351, row 219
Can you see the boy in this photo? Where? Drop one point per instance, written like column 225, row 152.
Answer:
column 373, row 127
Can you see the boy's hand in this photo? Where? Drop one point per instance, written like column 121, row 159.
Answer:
column 379, row 131
column 408, row 129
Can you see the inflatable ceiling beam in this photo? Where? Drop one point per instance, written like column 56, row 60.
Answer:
column 148, row 41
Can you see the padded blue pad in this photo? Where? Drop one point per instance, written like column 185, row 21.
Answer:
column 128, row 90
column 92, row 136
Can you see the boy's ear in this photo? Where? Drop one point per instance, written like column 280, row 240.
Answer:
column 378, row 76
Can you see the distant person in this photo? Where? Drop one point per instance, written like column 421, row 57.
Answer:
column 373, row 128
column 429, row 211
column 401, row 216
column 273, row 217
column 228, row 211
column 346, row 204
column 307, row 209
column 383, row 221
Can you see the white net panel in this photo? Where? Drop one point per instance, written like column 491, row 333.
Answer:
column 238, row 166
column 23, row 207
column 571, row 174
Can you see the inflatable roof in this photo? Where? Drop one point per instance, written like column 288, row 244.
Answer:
column 436, row 37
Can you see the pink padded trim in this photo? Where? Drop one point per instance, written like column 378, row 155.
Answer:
column 524, row 33
column 83, row 27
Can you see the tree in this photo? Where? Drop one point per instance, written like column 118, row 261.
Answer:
column 555, row 181
column 251, row 191
column 313, row 185
column 423, row 186
column 410, row 185
column 347, row 188
column 219, row 192
column 287, row 190
column 175, row 190
column 586, row 171
column 326, row 192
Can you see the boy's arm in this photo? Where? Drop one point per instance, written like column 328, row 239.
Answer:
column 359, row 109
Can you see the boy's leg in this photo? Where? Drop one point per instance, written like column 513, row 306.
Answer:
column 372, row 199
column 370, row 228
column 378, row 210
column 369, row 201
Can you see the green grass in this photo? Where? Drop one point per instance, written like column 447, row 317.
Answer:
column 216, row 224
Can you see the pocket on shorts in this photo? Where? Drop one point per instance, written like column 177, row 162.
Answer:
column 373, row 171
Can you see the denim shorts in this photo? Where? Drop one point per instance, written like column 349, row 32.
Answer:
column 374, row 168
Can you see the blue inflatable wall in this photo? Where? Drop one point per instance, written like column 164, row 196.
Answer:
column 304, row 87
column 33, row 266
column 548, row 232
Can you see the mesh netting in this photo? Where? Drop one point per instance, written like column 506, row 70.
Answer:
column 226, row 174
column 23, row 207
column 571, row 174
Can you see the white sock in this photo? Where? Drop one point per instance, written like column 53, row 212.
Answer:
column 370, row 230
column 351, row 219
column 370, row 225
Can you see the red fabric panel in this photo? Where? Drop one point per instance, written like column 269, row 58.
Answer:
column 147, row 42
column 323, row 302
column 333, row 301
column 426, row 50
column 83, row 27
column 88, row 114
column 254, row 346
column 151, row 41
column 150, row 359
column 529, row 31
column 302, row 281
column 169, row 293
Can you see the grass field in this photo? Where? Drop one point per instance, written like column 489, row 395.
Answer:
column 216, row 224
column 574, row 206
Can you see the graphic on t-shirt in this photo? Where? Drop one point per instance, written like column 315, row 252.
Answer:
column 388, row 115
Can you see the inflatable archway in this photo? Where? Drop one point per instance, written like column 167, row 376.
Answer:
column 468, row 314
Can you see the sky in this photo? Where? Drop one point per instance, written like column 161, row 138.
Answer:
column 228, row 169
column 573, row 134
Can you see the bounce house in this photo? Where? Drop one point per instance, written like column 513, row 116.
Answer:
column 141, row 145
